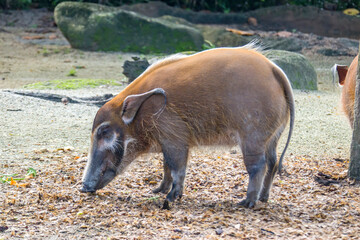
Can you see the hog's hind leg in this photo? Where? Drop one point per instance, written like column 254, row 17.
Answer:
column 272, row 166
column 255, row 162
column 175, row 158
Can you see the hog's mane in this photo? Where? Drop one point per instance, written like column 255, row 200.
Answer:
column 253, row 46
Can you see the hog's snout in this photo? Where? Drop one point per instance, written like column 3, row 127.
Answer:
column 97, row 181
column 86, row 188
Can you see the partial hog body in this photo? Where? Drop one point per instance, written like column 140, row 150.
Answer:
column 222, row 96
column 347, row 79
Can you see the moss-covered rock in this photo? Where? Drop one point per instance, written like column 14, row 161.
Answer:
column 220, row 37
column 298, row 69
column 306, row 19
column 96, row 27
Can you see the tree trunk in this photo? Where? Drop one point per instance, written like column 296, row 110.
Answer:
column 354, row 167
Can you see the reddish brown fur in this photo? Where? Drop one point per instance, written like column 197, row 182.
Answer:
column 188, row 115
column 220, row 96
column 348, row 82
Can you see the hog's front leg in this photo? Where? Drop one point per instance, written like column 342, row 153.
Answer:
column 175, row 162
column 166, row 182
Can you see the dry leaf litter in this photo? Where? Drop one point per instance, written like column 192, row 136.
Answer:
column 312, row 199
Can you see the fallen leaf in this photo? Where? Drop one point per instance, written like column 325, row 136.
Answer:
column 23, row 185
column 13, row 182
column 52, row 36
column 33, row 37
column 351, row 11
column 239, row 32
column 284, row 34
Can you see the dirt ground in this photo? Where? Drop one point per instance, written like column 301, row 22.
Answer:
column 313, row 199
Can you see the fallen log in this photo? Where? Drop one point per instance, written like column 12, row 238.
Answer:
column 95, row 100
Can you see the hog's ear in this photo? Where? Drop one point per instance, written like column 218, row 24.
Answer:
column 132, row 103
column 341, row 71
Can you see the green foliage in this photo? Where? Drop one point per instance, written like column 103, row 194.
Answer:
column 208, row 45
column 224, row 6
column 10, row 178
column 15, row 4
column 72, row 84
column 72, row 72
column 30, row 172
column 152, row 198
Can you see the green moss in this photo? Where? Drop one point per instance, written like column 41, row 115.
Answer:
column 112, row 29
column 72, row 84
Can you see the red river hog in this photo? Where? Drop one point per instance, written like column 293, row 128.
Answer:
column 347, row 79
column 222, row 96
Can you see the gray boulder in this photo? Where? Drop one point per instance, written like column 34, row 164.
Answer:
column 96, row 27
column 306, row 19
column 133, row 69
column 288, row 44
column 158, row 9
column 218, row 36
column 298, row 69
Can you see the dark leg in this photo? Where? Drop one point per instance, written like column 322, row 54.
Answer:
column 166, row 182
column 271, row 158
column 256, row 167
column 175, row 160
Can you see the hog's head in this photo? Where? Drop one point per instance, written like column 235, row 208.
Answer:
column 113, row 142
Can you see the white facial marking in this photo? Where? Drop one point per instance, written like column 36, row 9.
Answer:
column 109, row 144
column 126, row 142
column 88, row 163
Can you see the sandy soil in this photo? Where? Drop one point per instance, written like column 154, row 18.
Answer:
column 48, row 135
column 26, row 61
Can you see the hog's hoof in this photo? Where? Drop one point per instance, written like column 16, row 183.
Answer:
column 247, row 203
column 264, row 197
column 161, row 189
column 166, row 205
column 173, row 195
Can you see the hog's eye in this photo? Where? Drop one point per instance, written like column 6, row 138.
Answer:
column 104, row 131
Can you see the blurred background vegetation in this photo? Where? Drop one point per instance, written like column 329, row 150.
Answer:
column 225, row 6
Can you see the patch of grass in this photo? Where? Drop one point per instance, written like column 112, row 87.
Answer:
column 67, row 50
column 72, row 73
column 72, row 84
column 11, row 178
column 208, row 45
column 188, row 52
column 45, row 52
column 50, row 50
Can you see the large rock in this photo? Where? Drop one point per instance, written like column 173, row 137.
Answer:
column 218, row 36
column 133, row 69
column 278, row 18
column 291, row 44
column 308, row 20
column 158, row 9
column 96, row 27
column 298, row 69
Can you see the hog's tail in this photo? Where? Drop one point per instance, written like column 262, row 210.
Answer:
column 291, row 106
column 288, row 93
